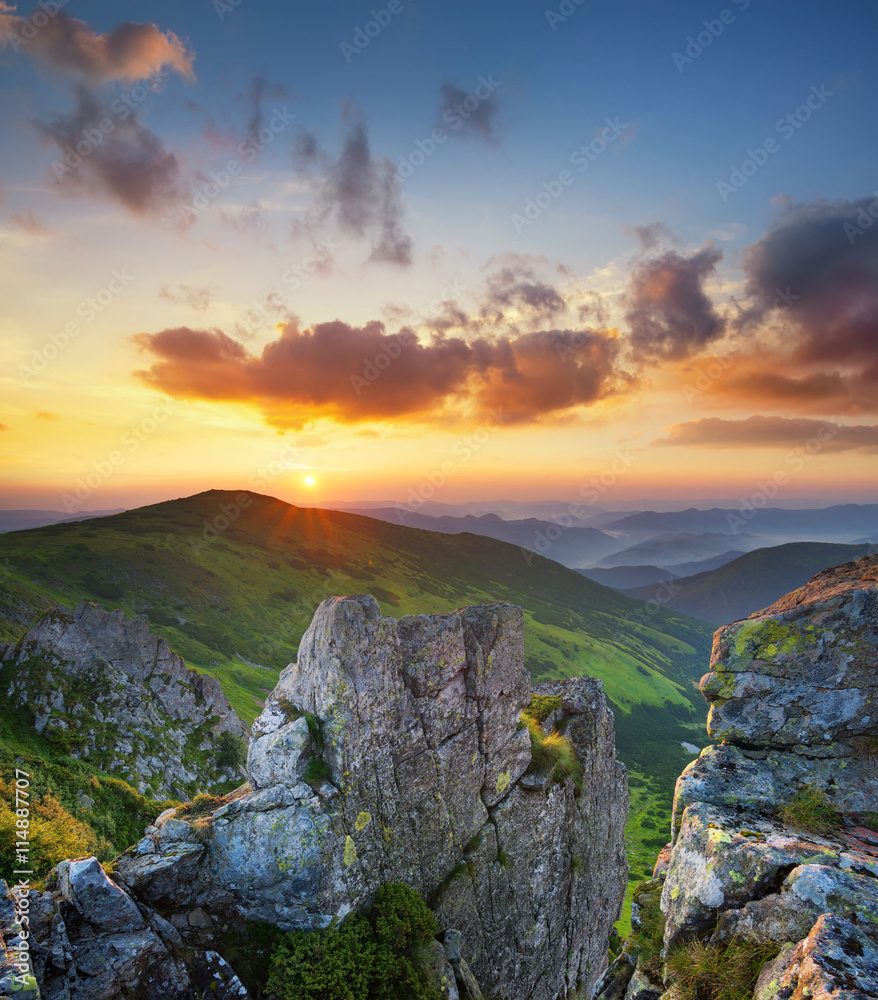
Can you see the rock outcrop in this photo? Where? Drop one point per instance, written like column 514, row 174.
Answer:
column 90, row 940
column 393, row 752
column 108, row 690
column 774, row 830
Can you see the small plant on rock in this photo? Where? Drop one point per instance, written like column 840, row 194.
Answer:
column 810, row 809
column 702, row 971
column 552, row 752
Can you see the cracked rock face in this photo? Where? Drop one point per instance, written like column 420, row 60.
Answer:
column 422, row 779
column 121, row 698
column 793, row 693
column 804, row 672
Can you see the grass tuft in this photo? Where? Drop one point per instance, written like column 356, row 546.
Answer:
column 810, row 809
column 717, row 972
column 865, row 747
column 201, row 805
column 552, row 752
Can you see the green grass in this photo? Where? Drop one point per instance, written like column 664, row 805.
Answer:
column 552, row 752
column 809, row 809
column 717, row 972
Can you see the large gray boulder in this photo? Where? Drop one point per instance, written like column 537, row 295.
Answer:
column 802, row 672
column 793, row 694
column 425, row 781
column 119, row 696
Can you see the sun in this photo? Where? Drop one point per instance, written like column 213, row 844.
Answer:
column 309, row 480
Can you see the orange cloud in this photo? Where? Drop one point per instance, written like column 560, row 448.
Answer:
column 352, row 374
column 129, row 51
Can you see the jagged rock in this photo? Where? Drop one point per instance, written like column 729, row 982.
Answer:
column 92, row 941
column 440, row 974
column 16, row 968
column 795, row 687
column 614, row 984
column 802, row 672
column 85, row 884
column 419, row 725
column 838, row 960
column 119, row 695
column 763, row 782
column 641, row 987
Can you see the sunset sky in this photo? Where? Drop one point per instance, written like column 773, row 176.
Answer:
column 337, row 251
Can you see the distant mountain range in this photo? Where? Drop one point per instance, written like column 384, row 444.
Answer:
column 843, row 521
column 626, row 577
column 570, row 546
column 21, row 520
column 752, row 581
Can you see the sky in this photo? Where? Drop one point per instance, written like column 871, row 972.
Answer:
column 588, row 250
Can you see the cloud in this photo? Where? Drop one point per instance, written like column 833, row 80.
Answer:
column 653, row 235
column 771, row 432
column 368, row 434
column 127, row 52
column 456, row 110
column 47, row 415
column 30, row 224
column 819, row 264
column 668, row 312
column 810, row 311
column 128, row 162
column 516, row 288
column 4, row 427
column 357, row 193
column 197, row 297
column 352, row 374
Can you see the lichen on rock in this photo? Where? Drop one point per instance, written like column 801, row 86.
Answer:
column 794, row 693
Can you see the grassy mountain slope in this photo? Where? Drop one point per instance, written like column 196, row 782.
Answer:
column 235, row 605
column 249, row 593
column 755, row 580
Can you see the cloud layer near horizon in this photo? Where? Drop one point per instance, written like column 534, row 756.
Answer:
column 352, row 374
column 771, row 432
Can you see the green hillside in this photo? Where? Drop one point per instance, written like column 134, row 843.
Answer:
column 753, row 581
column 236, row 606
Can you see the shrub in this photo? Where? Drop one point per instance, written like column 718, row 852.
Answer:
column 54, row 835
column 810, row 809
column 372, row 956
column 232, row 751
column 717, row 972
column 201, row 805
